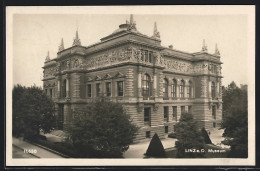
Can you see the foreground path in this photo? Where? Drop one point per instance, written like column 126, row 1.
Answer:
column 39, row 152
column 138, row 150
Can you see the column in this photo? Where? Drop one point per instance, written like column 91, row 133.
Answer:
column 154, row 85
column 209, row 87
column 58, row 87
column 67, row 86
column 177, row 88
column 139, row 84
column 217, row 90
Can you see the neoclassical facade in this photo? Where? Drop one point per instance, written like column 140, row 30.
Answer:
column 155, row 84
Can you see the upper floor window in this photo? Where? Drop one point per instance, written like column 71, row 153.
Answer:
column 165, row 88
column 182, row 85
column 108, row 89
column 146, row 56
column 89, row 90
column 174, row 89
column 189, row 89
column 51, row 92
column 64, row 88
column 120, row 89
column 174, row 113
column 146, row 84
column 98, row 91
column 213, row 90
column 150, row 57
column 189, row 109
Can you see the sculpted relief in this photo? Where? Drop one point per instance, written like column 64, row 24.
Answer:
column 48, row 72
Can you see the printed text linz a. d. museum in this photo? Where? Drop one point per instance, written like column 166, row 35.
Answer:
column 155, row 83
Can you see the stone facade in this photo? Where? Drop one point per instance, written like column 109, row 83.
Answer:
column 154, row 83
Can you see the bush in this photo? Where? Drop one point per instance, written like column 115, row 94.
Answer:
column 205, row 136
column 155, row 148
column 102, row 130
column 172, row 135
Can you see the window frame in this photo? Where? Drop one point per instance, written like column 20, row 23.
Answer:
column 213, row 90
column 166, row 113
column 98, row 87
column 174, row 112
column 110, row 89
column 182, row 87
column 118, row 92
column 89, row 90
column 165, row 88
column 146, row 86
column 174, row 89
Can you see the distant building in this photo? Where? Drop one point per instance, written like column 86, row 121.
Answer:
column 155, row 83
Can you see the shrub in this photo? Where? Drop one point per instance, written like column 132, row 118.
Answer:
column 155, row 148
column 172, row 135
column 205, row 136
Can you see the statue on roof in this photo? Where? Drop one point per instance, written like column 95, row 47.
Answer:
column 76, row 41
column 132, row 24
column 216, row 50
column 61, row 47
column 156, row 34
column 47, row 57
column 204, row 47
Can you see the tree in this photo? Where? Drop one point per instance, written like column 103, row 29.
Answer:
column 235, row 121
column 155, row 148
column 205, row 136
column 32, row 110
column 102, row 129
column 188, row 137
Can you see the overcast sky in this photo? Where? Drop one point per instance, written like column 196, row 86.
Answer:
column 36, row 34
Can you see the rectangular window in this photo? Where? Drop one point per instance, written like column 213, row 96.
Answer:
column 147, row 134
column 120, row 89
column 146, row 55
column 98, row 89
column 188, row 92
column 51, row 92
column 150, row 57
column 189, row 109
column 166, row 129
column 89, row 90
column 182, row 91
column 214, row 112
column 108, row 89
column 147, row 114
column 214, row 124
column 166, row 113
column 174, row 128
column 182, row 109
column 46, row 91
column 174, row 113
column 142, row 55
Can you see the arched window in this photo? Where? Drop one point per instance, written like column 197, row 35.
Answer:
column 182, row 89
column 146, row 84
column 174, row 88
column 213, row 90
column 189, row 89
column 64, row 88
column 165, row 88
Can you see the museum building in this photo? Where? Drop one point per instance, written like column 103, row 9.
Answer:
column 155, row 84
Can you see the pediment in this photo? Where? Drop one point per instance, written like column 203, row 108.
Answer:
column 119, row 75
column 97, row 78
column 107, row 76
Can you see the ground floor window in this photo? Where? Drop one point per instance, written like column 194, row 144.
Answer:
column 174, row 128
column 166, row 114
column 147, row 134
column 166, row 129
column 214, row 112
column 174, row 113
column 89, row 90
column 182, row 109
column 214, row 124
column 108, row 89
column 147, row 115
column 189, row 109
column 120, row 90
column 51, row 92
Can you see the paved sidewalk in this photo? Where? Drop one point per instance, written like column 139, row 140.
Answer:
column 216, row 137
column 138, row 150
column 41, row 153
